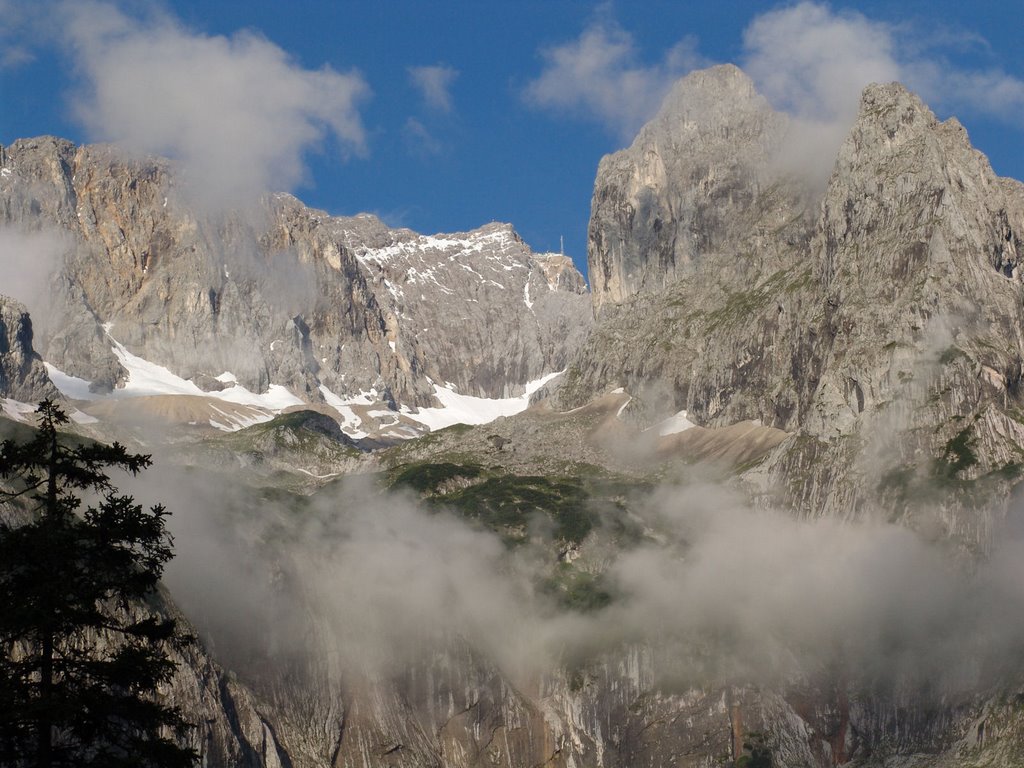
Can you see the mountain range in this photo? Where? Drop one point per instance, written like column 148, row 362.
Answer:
column 747, row 500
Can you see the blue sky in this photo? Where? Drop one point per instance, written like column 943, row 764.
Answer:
column 444, row 116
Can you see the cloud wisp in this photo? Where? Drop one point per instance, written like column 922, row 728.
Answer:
column 17, row 32
column 600, row 76
column 419, row 140
column 29, row 262
column 237, row 113
column 434, row 84
column 809, row 60
column 812, row 64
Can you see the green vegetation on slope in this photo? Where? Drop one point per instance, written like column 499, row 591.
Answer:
column 502, row 502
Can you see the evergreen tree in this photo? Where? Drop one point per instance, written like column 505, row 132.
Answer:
column 81, row 658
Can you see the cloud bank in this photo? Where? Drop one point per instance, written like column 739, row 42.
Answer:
column 236, row 112
column 724, row 593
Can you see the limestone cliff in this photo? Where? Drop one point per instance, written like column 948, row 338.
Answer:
column 698, row 188
column 22, row 375
column 879, row 325
column 280, row 294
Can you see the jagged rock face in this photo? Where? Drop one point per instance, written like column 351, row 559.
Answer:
column 429, row 286
column 916, row 268
column 699, row 257
column 876, row 328
column 22, row 375
column 883, row 329
column 281, row 294
column 695, row 187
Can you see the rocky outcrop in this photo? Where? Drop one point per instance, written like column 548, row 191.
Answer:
column 22, row 375
column 281, row 294
column 881, row 327
column 698, row 187
column 478, row 309
column 877, row 328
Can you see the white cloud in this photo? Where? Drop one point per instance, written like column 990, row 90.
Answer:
column 814, row 63
column 722, row 592
column 599, row 76
column 28, row 262
column 419, row 139
column 809, row 60
column 990, row 92
column 236, row 112
column 435, row 85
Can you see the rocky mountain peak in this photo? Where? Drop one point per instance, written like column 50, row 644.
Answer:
column 560, row 272
column 336, row 309
column 694, row 186
column 888, row 315
column 705, row 101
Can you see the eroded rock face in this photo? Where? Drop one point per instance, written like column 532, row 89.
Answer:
column 281, row 294
column 887, row 318
column 881, row 327
column 696, row 187
column 22, row 375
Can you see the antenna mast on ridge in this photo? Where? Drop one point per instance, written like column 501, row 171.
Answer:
column 561, row 246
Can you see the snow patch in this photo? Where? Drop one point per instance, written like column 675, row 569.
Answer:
column 81, row 417
column 618, row 413
column 17, row 410
column 146, row 379
column 351, row 424
column 236, row 421
column 673, row 424
column 466, row 409
column 70, row 386
column 318, row 477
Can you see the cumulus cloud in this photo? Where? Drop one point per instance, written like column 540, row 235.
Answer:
column 435, row 85
column 813, row 62
column 600, row 76
column 236, row 112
